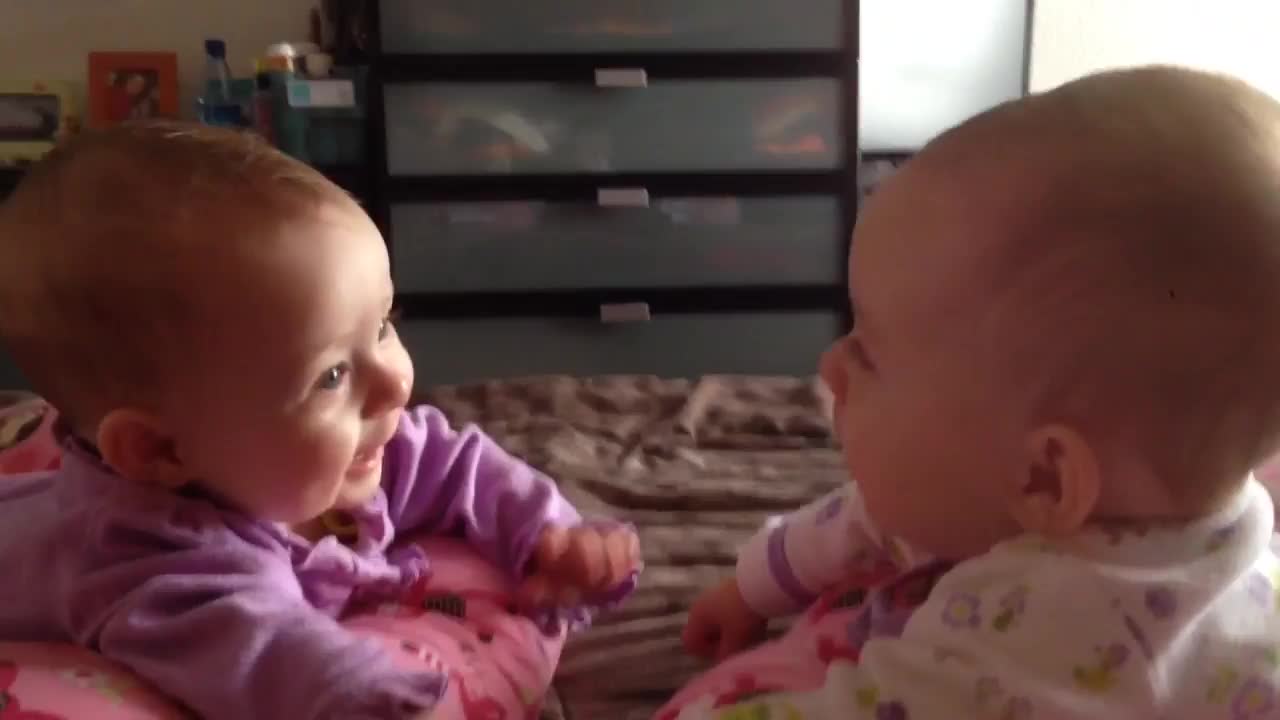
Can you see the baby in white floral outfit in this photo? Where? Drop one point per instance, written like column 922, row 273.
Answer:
column 1065, row 365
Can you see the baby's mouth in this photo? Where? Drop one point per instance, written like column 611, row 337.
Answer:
column 366, row 461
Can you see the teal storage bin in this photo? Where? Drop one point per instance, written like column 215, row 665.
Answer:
column 321, row 122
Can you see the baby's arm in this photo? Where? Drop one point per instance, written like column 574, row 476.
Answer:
column 1016, row 633
column 439, row 480
column 784, row 568
column 792, row 560
column 221, row 624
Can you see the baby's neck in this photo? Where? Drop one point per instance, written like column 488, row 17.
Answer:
column 1153, row 505
column 332, row 522
column 1134, row 493
column 312, row 530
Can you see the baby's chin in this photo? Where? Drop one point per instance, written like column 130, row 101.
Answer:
column 356, row 490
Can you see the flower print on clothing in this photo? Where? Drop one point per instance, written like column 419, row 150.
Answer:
column 891, row 711
column 10, row 707
column 1255, row 700
column 962, row 611
column 1161, row 602
column 1012, row 606
column 1259, row 588
column 1219, row 539
column 1222, row 683
column 1139, row 637
column 1099, row 676
column 990, row 697
column 868, row 699
column 746, row 686
column 112, row 688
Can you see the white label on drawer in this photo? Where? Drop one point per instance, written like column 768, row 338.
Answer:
column 621, row 78
column 622, row 197
column 635, row 312
column 322, row 93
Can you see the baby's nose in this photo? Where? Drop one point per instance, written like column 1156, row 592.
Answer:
column 389, row 390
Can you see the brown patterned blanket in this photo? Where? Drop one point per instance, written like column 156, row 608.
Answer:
column 696, row 465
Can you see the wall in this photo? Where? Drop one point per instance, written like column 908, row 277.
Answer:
column 51, row 39
column 1074, row 37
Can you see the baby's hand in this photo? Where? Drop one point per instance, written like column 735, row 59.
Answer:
column 572, row 563
column 720, row 623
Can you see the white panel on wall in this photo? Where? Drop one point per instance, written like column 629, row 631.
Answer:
column 51, row 39
column 1074, row 37
column 929, row 64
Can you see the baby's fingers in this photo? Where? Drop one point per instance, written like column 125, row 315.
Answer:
column 552, row 546
column 535, row 592
column 701, row 638
column 622, row 550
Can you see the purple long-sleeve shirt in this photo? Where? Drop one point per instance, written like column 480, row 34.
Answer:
column 236, row 617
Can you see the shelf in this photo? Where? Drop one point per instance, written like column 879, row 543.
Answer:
column 574, row 67
column 393, row 73
column 585, row 303
column 583, row 186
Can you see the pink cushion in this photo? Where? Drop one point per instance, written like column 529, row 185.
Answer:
column 499, row 664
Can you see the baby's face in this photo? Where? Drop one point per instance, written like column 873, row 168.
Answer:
column 927, row 435
column 300, row 378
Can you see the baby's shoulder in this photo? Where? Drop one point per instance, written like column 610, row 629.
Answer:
column 169, row 522
column 97, row 519
column 1031, row 606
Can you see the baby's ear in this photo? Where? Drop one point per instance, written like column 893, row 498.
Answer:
column 1060, row 484
column 135, row 445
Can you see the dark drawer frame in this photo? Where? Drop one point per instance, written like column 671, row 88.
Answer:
column 579, row 68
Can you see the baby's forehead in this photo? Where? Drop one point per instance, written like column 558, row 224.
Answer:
column 931, row 212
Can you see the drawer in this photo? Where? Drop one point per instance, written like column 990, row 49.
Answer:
column 581, row 26
column 676, row 345
column 666, row 242
column 460, row 128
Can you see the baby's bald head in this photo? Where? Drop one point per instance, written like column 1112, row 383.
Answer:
column 1126, row 264
column 108, row 241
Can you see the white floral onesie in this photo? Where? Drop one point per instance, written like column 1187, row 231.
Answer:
column 1161, row 623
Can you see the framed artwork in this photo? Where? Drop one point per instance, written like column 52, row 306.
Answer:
column 132, row 86
column 34, row 116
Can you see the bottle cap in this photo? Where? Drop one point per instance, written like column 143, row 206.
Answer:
column 214, row 47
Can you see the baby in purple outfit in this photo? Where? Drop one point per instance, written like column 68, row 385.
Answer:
column 212, row 320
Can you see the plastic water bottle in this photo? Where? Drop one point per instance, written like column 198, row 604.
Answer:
column 217, row 105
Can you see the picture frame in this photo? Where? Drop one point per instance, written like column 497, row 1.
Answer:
column 131, row 86
column 35, row 115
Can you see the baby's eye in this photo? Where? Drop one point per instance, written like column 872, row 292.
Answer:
column 332, row 378
column 859, row 353
column 388, row 324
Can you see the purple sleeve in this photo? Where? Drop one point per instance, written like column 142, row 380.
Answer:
column 221, row 625
column 462, row 483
